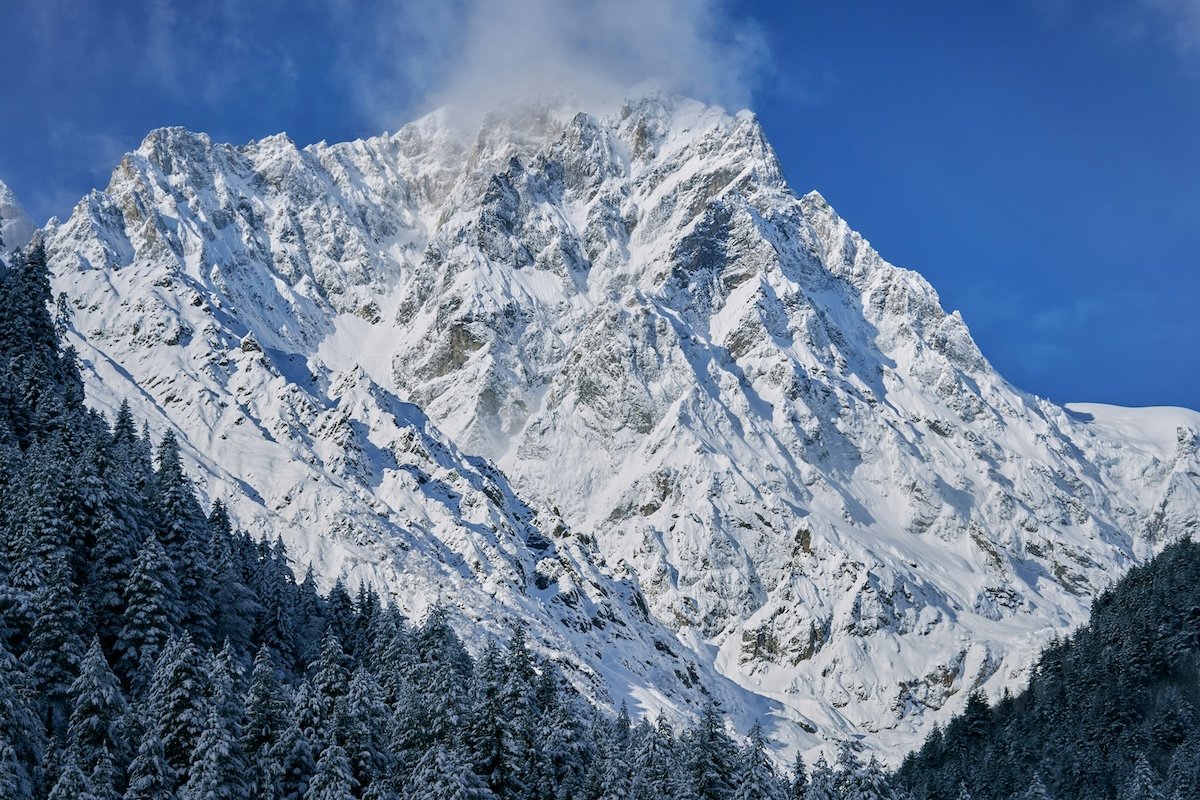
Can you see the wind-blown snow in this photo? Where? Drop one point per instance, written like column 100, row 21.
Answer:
column 16, row 229
column 737, row 447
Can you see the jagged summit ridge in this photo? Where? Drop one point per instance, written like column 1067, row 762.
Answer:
column 783, row 443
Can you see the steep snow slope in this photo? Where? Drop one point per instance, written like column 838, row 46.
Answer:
column 716, row 396
column 171, row 311
column 16, row 229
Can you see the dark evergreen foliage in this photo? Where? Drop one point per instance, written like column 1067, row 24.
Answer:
column 1110, row 712
column 102, row 543
column 150, row 651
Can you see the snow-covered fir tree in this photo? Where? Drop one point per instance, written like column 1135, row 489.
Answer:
column 822, row 782
column 757, row 779
column 98, row 708
column 332, row 779
column 149, row 775
column 1143, row 784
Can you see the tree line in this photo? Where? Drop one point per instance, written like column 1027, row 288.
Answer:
column 1110, row 712
column 148, row 650
column 151, row 651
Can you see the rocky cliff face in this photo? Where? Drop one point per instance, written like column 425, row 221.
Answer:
column 722, row 441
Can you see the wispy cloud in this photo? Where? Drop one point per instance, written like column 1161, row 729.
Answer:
column 1175, row 23
column 1178, row 21
column 211, row 51
column 346, row 67
column 478, row 54
column 1077, row 314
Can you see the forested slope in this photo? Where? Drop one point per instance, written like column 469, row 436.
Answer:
column 149, row 651
column 1109, row 712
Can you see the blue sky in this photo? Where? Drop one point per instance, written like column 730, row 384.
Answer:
column 1036, row 160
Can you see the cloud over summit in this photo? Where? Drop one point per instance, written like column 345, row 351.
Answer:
column 476, row 55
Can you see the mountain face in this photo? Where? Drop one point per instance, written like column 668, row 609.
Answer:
column 720, row 444
column 16, row 229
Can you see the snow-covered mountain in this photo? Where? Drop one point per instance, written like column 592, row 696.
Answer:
column 720, row 440
column 16, row 229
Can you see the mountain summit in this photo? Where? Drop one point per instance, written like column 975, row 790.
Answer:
column 722, row 445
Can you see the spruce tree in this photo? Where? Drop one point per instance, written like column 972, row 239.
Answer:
column 85, row 498
column 130, row 477
column 492, row 733
column 40, row 538
column 330, row 680
column 104, row 778
column 333, row 779
column 109, row 566
column 218, row 769
column 756, row 778
column 11, row 782
column 39, row 380
column 566, row 740
column 293, row 762
column 149, row 775
column 363, row 723
column 225, row 690
column 1183, row 773
column 71, row 784
column 177, row 702
column 849, row 771
column 519, row 698
column 310, row 616
column 151, row 611
column 654, row 761
column 265, row 718
column 872, row 783
column 234, row 603
column 391, row 654
column 98, row 707
column 798, row 789
column 339, row 610
column 21, row 732
column 273, row 598
column 55, row 648
column 444, row 773
column 711, row 757
column 1037, row 790
column 822, row 784
column 1143, row 784
column 183, row 531
column 366, row 609
column 442, row 677
column 309, row 716
column 614, row 746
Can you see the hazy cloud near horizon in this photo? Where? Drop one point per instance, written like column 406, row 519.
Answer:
column 475, row 55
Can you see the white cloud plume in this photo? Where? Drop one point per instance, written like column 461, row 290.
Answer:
column 1175, row 23
column 476, row 55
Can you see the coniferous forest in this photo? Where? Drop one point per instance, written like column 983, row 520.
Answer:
column 1109, row 712
column 148, row 650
